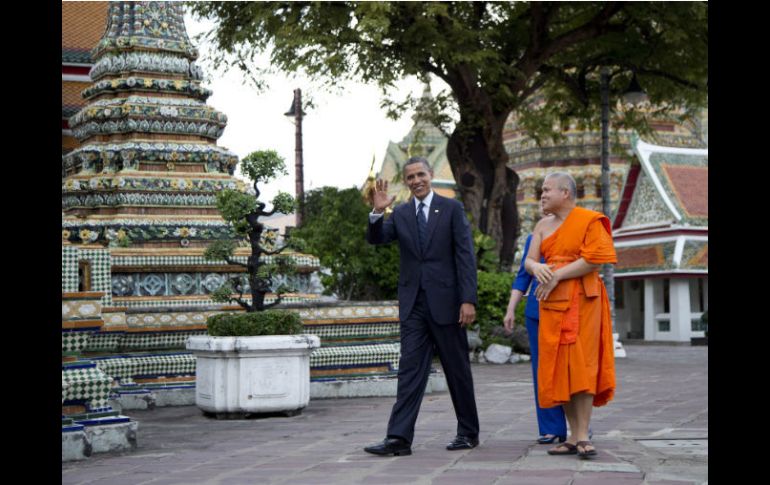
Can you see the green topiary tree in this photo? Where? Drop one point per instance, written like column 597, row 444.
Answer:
column 242, row 211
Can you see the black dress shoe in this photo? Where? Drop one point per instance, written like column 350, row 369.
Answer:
column 390, row 446
column 463, row 443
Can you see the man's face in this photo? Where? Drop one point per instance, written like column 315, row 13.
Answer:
column 552, row 197
column 417, row 177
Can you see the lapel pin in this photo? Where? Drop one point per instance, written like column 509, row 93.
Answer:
column 436, row 211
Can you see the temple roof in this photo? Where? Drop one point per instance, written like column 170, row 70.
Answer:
column 662, row 224
column 672, row 188
column 83, row 24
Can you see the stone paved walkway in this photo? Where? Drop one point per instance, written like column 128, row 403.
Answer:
column 654, row 432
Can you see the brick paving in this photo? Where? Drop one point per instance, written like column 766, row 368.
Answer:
column 654, row 432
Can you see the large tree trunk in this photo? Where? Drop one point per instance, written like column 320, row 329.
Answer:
column 487, row 186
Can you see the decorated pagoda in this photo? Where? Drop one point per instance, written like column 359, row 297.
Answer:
column 148, row 167
column 140, row 171
column 424, row 139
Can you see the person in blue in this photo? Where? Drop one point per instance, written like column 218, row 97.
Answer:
column 550, row 421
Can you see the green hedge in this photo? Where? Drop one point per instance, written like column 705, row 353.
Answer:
column 269, row 322
column 494, row 291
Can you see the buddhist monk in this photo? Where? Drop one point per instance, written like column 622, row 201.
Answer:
column 576, row 367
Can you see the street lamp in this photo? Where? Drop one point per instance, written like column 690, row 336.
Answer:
column 296, row 112
column 634, row 94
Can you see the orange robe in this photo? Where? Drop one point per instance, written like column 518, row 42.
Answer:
column 575, row 337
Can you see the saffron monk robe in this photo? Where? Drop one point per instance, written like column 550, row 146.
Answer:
column 576, row 365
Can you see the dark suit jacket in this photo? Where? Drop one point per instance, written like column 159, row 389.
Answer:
column 447, row 270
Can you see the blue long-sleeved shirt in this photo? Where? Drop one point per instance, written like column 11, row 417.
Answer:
column 522, row 282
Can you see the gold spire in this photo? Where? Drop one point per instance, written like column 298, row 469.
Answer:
column 368, row 191
column 372, row 175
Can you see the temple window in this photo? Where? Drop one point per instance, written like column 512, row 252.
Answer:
column 84, row 276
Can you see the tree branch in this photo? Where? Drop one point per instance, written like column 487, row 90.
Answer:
column 278, row 300
column 534, row 87
column 593, row 28
column 273, row 253
column 540, row 20
column 427, row 66
column 572, row 84
column 242, row 303
column 268, row 213
column 536, row 53
column 234, row 262
column 238, row 285
column 670, row 77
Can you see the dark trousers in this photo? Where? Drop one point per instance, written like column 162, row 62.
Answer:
column 419, row 334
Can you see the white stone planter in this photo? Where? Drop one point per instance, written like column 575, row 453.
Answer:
column 237, row 375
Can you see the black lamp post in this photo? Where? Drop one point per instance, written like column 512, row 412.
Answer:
column 296, row 112
column 634, row 94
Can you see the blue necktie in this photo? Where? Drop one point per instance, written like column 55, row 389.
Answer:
column 422, row 226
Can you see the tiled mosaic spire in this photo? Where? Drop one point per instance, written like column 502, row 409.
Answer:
column 424, row 136
column 148, row 168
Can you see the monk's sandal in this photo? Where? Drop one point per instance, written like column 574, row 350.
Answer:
column 563, row 449
column 585, row 453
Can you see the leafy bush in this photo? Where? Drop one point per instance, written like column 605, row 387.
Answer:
column 494, row 291
column 268, row 322
column 334, row 229
column 486, row 256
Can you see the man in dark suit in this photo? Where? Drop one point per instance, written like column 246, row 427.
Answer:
column 436, row 300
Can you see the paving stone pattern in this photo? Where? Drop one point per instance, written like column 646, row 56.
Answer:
column 654, row 432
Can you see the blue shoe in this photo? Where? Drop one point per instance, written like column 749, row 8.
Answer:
column 550, row 439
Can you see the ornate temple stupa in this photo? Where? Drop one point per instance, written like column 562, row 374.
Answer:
column 144, row 178
column 148, row 167
column 140, row 170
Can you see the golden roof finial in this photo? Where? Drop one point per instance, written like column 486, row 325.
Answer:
column 368, row 191
column 372, row 175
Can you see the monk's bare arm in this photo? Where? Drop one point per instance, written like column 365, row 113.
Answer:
column 542, row 272
column 575, row 269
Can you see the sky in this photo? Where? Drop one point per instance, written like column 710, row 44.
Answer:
column 340, row 134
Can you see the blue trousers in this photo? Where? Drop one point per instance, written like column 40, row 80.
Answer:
column 549, row 420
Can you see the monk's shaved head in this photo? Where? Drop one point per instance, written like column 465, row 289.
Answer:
column 564, row 181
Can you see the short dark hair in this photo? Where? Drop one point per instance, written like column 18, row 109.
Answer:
column 414, row 160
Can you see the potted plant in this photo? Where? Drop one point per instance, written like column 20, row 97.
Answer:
column 257, row 361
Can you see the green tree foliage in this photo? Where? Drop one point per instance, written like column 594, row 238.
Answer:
column 242, row 211
column 334, row 229
column 486, row 257
column 540, row 60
